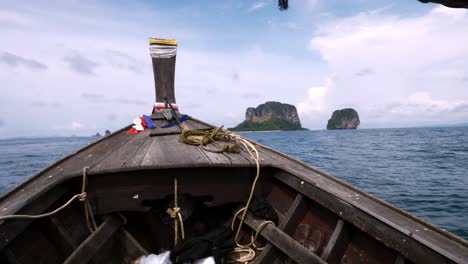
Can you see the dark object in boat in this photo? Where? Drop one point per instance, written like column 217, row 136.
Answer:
column 283, row 4
column 449, row 3
column 130, row 174
column 262, row 209
column 217, row 243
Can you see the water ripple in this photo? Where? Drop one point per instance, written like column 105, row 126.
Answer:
column 421, row 170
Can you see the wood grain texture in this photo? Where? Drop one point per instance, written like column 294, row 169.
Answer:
column 387, row 234
column 123, row 155
column 86, row 250
column 411, row 237
column 9, row 229
column 168, row 151
column 164, row 73
column 336, row 246
column 283, row 242
column 296, row 210
column 69, row 167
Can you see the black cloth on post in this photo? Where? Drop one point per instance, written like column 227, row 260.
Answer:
column 217, row 243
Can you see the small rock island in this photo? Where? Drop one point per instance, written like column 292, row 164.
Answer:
column 346, row 118
column 270, row 116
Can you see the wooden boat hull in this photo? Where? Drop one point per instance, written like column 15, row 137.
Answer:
column 131, row 179
column 127, row 170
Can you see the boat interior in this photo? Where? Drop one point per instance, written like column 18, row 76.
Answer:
column 142, row 187
column 130, row 210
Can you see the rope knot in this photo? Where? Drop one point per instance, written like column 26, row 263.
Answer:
column 83, row 197
column 173, row 212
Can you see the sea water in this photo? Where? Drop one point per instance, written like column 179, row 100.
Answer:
column 421, row 170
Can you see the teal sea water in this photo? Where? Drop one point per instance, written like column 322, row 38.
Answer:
column 422, row 170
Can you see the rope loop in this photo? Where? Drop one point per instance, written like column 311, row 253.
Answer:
column 173, row 211
column 83, row 197
column 217, row 136
column 176, row 215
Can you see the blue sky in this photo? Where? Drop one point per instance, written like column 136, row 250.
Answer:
column 78, row 67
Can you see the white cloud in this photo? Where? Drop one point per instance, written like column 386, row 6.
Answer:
column 75, row 125
column 110, row 74
column 416, row 64
column 375, row 61
column 315, row 101
column 256, row 6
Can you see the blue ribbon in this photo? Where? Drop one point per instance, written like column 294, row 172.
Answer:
column 173, row 123
column 149, row 122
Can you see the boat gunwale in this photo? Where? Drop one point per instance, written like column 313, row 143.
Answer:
column 301, row 175
column 6, row 194
column 363, row 193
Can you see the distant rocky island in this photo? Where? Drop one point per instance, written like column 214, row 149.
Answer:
column 346, row 118
column 106, row 133
column 270, row 116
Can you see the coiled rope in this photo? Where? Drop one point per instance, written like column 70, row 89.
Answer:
column 223, row 138
column 203, row 138
column 248, row 247
column 83, row 197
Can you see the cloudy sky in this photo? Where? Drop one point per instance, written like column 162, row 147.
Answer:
column 79, row 67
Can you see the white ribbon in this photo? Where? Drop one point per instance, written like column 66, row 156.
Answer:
column 162, row 51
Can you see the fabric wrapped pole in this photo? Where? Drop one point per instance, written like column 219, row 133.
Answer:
column 163, row 54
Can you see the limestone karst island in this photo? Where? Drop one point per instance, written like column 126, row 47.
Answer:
column 346, row 118
column 270, row 116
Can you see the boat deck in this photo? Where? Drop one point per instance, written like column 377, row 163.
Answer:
column 160, row 149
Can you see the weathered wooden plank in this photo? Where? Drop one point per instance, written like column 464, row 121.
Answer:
column 8, row 257
column 217, row 159
column 391, row 237
column 164, row 72
column 159, row 131
column 70, row 167
column 196, row 124
column 122, row 155
column 239, row 160
column 133, row 249
column 441, row 241
column 235, row 159
column 267, row 158
column 95, row 241
column 188, row 124
column 126, row 191
column 295, row 212
column 283, row 242
column 69, row 229
column 58, row 236
column 294, row 215
column 137, row 158
column 398, row 220
column 9, row 229
column 33, row 246
column 400, row 260
column 169, row 152
column 336, row 246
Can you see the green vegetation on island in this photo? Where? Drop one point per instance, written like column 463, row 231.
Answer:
column 272, row 124
column 270, row 116
column 346, row 118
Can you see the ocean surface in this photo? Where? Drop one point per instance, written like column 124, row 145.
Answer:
column 422, row 170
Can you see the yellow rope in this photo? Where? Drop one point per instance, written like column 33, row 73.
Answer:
column 177, row 216
column 81, row 196
column 203, row 138
column 247, row 248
